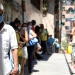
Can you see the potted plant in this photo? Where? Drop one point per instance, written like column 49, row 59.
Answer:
column 64, row 46
column 45, row 7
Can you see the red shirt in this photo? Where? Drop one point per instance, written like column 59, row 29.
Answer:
column 33, row 28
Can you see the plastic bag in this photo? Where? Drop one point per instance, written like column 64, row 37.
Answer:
column 69, row 49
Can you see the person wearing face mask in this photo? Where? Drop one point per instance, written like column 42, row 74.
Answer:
column 24, row 38
column 29, row 25
column 17, row 24
column 30, row 49
column 7, row 43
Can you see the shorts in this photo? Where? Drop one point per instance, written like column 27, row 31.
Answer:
column 38, row 45
column 24, row 52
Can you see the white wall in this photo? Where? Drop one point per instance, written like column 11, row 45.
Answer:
column 33, row 13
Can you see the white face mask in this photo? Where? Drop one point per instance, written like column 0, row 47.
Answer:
column 24, row 28
column 29, row 26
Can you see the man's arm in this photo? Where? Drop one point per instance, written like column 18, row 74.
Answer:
column 14, row 50
column 15, row 58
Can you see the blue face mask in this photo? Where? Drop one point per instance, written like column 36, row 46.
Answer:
column 1, row 18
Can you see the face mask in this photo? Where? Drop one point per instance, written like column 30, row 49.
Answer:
column 30, row 27
column 1, row 18
column 24, row 28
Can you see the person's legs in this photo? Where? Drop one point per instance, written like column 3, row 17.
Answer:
column 43, row 44
column 35, row 47
column 30, row 57
column 23, row 63
column 25, row 56
column 56, row 50
column 73, row 49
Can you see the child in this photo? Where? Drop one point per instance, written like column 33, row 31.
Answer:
column 57, row 46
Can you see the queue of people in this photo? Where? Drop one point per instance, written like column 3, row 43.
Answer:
column 33, row 40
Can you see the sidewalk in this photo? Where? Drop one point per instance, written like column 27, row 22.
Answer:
column 72, row 69
column 51, row 65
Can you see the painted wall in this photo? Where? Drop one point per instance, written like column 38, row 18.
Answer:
column 12, row 11
column 48, row 21
column 33, row 13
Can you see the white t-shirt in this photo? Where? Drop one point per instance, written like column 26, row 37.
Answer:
column 29, row 35
column 6, row 33
column 73, row 38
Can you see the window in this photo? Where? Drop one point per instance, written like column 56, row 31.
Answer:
column 68, row 2
column 70, row 10
column 67, row 11
column 63, row 23
column 68, row 19
column 67, row 27
column 63, row 16
column 63, row 8
column 36, row 3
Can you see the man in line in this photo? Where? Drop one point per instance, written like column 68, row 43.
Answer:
column 8, row 42
column 44, row 38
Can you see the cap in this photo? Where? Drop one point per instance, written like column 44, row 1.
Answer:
column 70, row 43
column 1, row 7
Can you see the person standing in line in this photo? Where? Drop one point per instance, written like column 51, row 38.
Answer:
column 73, row 43
column 33, row 24
column 24, row 38
column 30, row 49
column 7, row 42
column 51, row 41
column 44, row 38
column 57, row 46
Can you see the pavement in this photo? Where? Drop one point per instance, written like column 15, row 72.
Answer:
column 71, row 68
column 55, row 64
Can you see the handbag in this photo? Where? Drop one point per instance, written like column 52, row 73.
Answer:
column 33, row 41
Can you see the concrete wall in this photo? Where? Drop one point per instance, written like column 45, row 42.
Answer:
column 33, row 13
column 12, row 11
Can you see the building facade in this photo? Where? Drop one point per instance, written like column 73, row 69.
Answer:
column 33, row 12
column 13, row 9
column 68, row 12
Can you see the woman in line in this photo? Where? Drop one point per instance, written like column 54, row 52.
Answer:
column 31, row 34
column 24, row 38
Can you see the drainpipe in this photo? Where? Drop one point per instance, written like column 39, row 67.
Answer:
column 23, row 11
column 59, row 24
